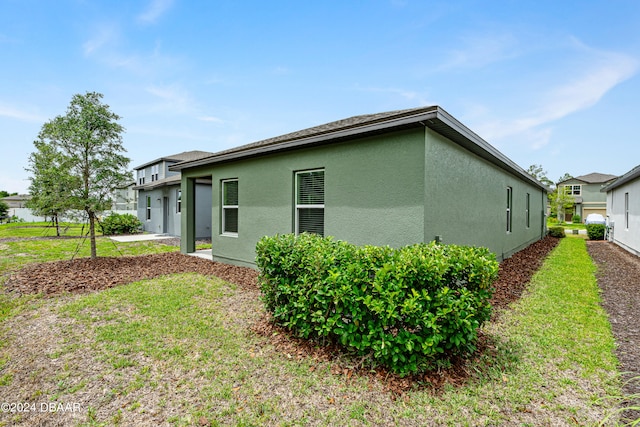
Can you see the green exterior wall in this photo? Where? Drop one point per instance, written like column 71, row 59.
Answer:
column 466, row 200
column 394, row 189
column 592, row 198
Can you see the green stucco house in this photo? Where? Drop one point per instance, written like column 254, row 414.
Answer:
column 586, row 193
column 393, row 178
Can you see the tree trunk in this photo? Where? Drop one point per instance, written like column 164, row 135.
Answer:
column 57, row 224
column 92, row 233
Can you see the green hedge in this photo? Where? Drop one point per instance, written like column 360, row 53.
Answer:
column 403, row 308
column 120, row 224
column 595, row 231
column 557, row 232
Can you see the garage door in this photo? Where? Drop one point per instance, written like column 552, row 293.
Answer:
column 588, row 211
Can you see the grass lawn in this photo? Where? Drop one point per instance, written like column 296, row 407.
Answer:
column 42, row 229
column 178, row 350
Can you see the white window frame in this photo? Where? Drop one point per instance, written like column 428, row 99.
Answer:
column 224, row 207
column 626, row 211
column 299, row 206
column 528, row 210
column 178, row 200
column 509, row 209
column 573, row 190
column 154, row 172
column 148, row 208
column 141, row 174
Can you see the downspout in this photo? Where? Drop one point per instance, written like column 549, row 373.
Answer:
column 543, row 226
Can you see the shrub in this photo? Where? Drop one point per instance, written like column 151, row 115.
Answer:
column 120, row 224
column 576, row 219
column 403, row 308
column 595, row 231
column 556, row 232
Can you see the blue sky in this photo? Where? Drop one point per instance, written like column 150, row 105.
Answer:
column 553, row 83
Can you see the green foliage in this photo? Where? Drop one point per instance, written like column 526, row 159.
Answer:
column 79, row 162
column 576, row 219
column 4, row 208
column 120, row 224
column 556, row 232
column 538, row 172
column 595, row 231
column 404, row 308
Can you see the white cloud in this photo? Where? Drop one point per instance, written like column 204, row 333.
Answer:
column 174, row 98
column 416, row 98
column 479, row 51
column 105, row 35
column 15, row 113
column 605, row 71
column 154, row 11
column 211, row 119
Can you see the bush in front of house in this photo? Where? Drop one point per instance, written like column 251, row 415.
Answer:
column 120, row 224
column 556, row 232
column 576, row 219
column 595, row 231
column 403, row 308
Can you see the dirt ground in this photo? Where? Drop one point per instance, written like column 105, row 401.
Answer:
column 619, row 280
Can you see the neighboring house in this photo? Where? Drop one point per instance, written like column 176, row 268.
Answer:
column 586, row 192
column 394, row 178
column 623, row 210
column 160, row 196
column 16, row 202
column 126, row 198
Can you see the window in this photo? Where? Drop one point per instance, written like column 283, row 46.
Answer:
column 154, row 172
column 626, row 210
column 509, row 203
column 573, row 190
column 309, row 199
column 178, row 201
column 527, row 210
column 230, row 207
column 141, row 177
column 148, row 208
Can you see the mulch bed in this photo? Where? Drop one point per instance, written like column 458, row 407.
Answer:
column 88, row 275
column 618, row 277
column 83, row 275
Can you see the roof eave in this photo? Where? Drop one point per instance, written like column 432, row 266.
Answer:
column 628, row 177
column 436, row 119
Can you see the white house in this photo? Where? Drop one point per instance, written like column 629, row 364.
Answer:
column 623, row 210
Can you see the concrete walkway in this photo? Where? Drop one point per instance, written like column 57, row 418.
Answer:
column 140, row 237
column 203, row 253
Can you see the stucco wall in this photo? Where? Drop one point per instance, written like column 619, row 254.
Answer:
column 466, row 200
column 373, row 194
column 625, row 235
column 168, row 195
column 379, row 192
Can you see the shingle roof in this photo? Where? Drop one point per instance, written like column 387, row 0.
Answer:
column 596, row 178
column 172, row 180
column 185, row 156
column 359, row 126
column 629, row 176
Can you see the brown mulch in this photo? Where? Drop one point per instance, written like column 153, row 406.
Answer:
column 618, row 277
column 86, row 275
